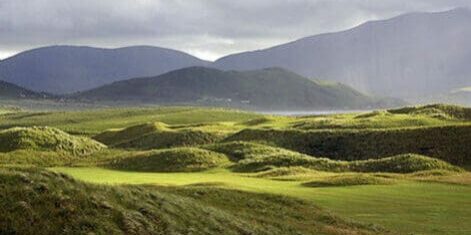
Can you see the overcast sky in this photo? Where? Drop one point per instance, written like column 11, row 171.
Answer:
column 206, row 28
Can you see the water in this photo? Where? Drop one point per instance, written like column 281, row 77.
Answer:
column 311, row 112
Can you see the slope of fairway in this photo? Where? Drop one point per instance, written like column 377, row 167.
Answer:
column 45, row 139
column 42, row 202
column 408, row 207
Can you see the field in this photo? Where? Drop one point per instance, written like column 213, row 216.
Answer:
column 401, row 171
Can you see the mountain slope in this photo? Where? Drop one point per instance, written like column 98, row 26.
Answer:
column 64, row 69
column 407, row 56
column 11, row 91
column 271, row 88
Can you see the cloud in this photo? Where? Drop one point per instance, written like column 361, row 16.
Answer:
column 208, row 28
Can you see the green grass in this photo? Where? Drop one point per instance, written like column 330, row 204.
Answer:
column 406, row 206
column 449, row 143
column 46, row 139
column 348, row 180
column 156, row 135
column 171, row 160
column 36, row 201
column 95, row 121
column 200, row 187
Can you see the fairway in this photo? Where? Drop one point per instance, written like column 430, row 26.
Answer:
column 408, row 207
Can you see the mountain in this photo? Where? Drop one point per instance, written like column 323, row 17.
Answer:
column 408, row 56
column 11, row 91
column 271, row 88
column 66, row 69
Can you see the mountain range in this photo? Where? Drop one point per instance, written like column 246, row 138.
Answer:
column 12, row 91
column 415, row 56
column 270, row 89
column 67, row 69
column 409, row 56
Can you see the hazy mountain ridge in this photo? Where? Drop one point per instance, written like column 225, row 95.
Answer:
column 272, row 88
column 65, row 69
column 407, row 56
column 12, row 91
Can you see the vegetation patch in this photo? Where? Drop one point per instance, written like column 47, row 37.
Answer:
column 405, row 163
column 449, row 143
column 289, row 161
column 183, row 159
column 30, row 195
column 240, row 150
column 348, row 180
column 156, row 135
column 46, row 139
column 437, row 111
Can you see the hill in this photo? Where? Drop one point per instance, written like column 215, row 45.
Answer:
column 73, row 207
column 272, row 88
column 65, row 69
column 393, row 57
column 45, row 139
column 11, row 91
column 155, row 135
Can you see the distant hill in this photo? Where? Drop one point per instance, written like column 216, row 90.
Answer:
column 11, row 91
column 66, row 69
column 409, row 56
column 272, row 88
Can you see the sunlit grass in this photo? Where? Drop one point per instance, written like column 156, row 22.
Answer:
column 406, row 206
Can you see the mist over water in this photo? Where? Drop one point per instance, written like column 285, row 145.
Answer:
column 312, row 112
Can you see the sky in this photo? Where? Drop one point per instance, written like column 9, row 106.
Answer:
column 208, row 29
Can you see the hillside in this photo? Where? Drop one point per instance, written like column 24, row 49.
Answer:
column 272, row 88
column 72, row 207
column 65, row 69
column 11, row 91
column 394, row 57
column 45, row 139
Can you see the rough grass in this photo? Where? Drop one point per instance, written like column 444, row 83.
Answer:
column 405, row 163
column 348, row 180
column 408, row 206
column 46, row 139
column 441, row 111
column 239, row 150
column 272, row 158
column 449, row 143
column 41, row 202
column 155, row 135
column 92, row 122
column 182, row 159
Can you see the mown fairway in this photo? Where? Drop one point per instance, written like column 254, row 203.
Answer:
column 406, row 207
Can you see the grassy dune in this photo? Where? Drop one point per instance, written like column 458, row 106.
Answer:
column 156, row 135
column 95, row 121
column 172, row 160
column 31, row 195
column 46, row 139
column 183, row 170
column 407, row 206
